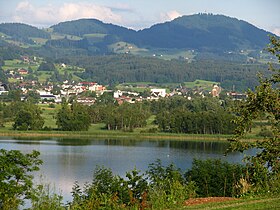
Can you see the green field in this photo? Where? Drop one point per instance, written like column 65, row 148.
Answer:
column 39, row 41
column 124, row 47
column 203, row 84
column 56, row 36
column 142, row 86
column 42, row 75
column 95, row 35
column 166, row 54
column 15, row 64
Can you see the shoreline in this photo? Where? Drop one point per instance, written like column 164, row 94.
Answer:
column 121, row 135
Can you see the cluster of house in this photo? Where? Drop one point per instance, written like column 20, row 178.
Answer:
column 132, row 97
column 68, row 90
column 17, row 73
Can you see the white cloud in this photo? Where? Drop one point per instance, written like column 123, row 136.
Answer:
column 122, row 7
column 171, row 15
column 276, row 31
column 50, row 14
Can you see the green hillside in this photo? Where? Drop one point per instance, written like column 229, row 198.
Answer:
column 19, row 32
column 204, row 32
column 124, row 68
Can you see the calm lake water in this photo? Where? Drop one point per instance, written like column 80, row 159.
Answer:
column 70, row 160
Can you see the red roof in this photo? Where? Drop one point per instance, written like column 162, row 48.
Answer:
column 87, row 83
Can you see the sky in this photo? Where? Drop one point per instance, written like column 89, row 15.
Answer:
column 138, row 14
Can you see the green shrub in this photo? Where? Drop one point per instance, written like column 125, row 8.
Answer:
column 43, row 197
column 167, row 187
column 51, row 105
column 214, row 177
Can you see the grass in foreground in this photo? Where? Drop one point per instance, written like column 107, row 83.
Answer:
column 247, row 203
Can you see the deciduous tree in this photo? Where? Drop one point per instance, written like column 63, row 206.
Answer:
column 16, row 182
column 73, row 118
column 28, row 117
column 265, row 101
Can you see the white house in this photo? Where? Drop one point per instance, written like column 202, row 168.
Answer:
column 49, row 96
column 2, row 89
column 158, row 92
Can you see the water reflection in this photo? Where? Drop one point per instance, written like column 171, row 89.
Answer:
column 68, row 160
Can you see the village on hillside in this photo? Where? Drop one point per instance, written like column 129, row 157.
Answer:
column 87, row 92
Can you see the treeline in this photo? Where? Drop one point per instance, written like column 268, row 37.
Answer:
column 175, row 115
column 67, row 43
column 127, row 68
column 198, row 116
column 205, row 122
column 124, row 117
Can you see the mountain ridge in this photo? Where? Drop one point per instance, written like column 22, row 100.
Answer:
column 215, row 28
column 200, row 32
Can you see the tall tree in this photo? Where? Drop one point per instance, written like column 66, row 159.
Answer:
column 33, row 96
column 265, row 101
column 16, row 181
column 73, row 118
column 28, row 117
column 3, row 77
column 46, row 66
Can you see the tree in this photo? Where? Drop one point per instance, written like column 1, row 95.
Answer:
column 126, row 116
column 14, row 95
column 33, row 96
column 74, row 118
column 214, row 177
column 46, row 66
column 1, row 115
column 28, row 117
column 264, row 101
column 3, row 77
column 15, row 178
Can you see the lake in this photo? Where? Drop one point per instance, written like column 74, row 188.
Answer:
column 68, row 160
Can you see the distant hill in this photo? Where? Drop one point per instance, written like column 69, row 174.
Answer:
column 91, row 26
column 200, row 32
column 204, row 32
column 22, row 32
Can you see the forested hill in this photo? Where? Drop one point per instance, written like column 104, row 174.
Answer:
column 204, row 32
column 200, row 32
column 91, row 26
column 22, row 32
column 112, row 69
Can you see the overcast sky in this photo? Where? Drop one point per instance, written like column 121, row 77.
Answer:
column 138, row 14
